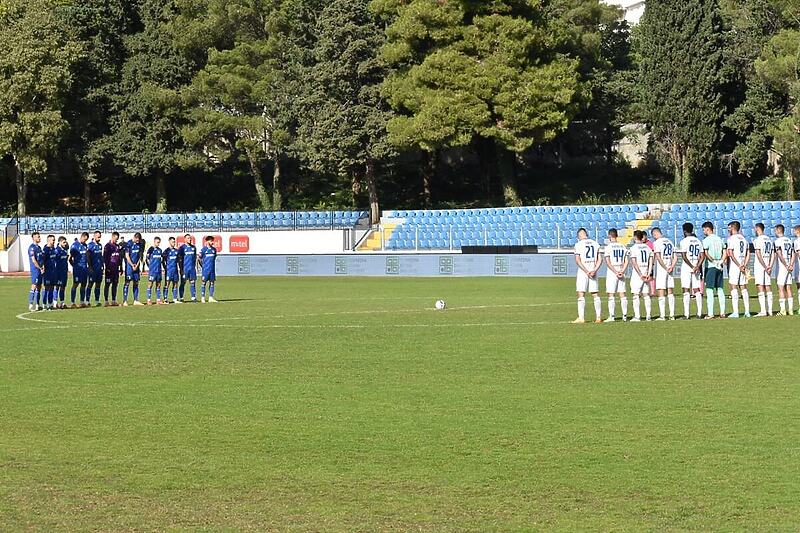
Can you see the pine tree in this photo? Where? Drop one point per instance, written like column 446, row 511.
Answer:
column 682, row 84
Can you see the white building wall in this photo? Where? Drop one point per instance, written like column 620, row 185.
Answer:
column 632, row 9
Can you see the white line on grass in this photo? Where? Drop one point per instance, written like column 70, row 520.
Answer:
column 29, row 317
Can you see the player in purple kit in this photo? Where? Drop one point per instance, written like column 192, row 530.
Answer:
column 112, row 258
column 50, row 263
column 96, row 264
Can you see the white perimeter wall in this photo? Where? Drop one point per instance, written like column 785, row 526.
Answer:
column 234, row 243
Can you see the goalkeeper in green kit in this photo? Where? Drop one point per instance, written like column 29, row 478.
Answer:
column 714, row 247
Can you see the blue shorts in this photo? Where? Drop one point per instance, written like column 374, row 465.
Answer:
column 61, row 281
column 36, row 276
column 172, row 277
column 49, row 278
column 190, row 276
column 130, row 275
column 80, row 276
column 96, row 275
column 154, row 277
column 209, row 276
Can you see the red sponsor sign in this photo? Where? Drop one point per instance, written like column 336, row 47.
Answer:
column 217, row 242
column 239, row 244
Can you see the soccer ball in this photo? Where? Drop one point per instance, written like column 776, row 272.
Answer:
column 440, row 305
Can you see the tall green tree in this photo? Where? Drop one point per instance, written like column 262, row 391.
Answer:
column 487, row 69
column 682, row 84
column 145, row 137
column 778, row 69
column 38, row 55
column 344, row 131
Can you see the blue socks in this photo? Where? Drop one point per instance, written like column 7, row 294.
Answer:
column 125, row 293
column 136, row 293
column 211, row 290
column 193, row 289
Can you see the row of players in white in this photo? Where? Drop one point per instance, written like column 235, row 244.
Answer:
column 779, row 256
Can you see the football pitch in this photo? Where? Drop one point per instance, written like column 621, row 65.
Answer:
column 351, row 405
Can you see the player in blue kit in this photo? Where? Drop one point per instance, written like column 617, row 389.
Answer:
column 95, row 269
column 133, row 268
column 50, row 258
column 154, row 268
column 36, row 259
column 208, row 259
column 188, row 264
column 79, row 259
column 62, row 271
column 171, row 271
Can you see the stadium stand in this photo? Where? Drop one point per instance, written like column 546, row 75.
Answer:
column 545, row 226
column 554, row 227
column 260, row 221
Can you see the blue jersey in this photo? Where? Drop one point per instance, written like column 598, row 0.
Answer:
column 134, row 250
column 80, row 256
column 188, row 255
column 96, row 256
column 171, row 258
column 62, row 258
column 50, row 256
column 35, row 253
column 208, row 258
column 154, row 258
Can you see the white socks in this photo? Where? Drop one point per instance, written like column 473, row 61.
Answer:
column 624, row 301
column 648, row 306
column 698, row 297
column 735, row 300
column 687, row 302
column 782, row 304
column 637, row 313
column 770, row 301
column 746, row 300
column 662, row 303
column 612, row 306
column 762, row 302
column 598, row 307
column 671, row 301
column 581, row 308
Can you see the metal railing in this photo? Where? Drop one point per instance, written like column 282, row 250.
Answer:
column 9, row 232
column 188, row 222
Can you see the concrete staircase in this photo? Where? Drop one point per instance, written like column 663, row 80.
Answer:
column 373, row 243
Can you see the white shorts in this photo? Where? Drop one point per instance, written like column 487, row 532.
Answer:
column 690, row 280
column 735, row 275
column 637, row 284
column 585, row 284
column 784, row 277
column 760, row 275
column 664, row 280
column 614, row 285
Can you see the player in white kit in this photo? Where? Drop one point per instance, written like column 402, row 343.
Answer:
column 616, row 257
column 641, row 258
column 691, row 249
column 762, row 270
column 588, row 257
column 738, row 260
column 665, row 260
column 785, row 260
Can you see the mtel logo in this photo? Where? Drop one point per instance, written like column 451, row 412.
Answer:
column 239, row 244
column 217, row 243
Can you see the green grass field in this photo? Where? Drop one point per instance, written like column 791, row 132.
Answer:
column 350, row 405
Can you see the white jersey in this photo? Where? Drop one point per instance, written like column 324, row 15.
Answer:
column 692, row 247
column 666, row 250
column 784, row 247
column 616, row 253
column 588, row 253
column 763, row 244
column 641, row 254
column 738, row 246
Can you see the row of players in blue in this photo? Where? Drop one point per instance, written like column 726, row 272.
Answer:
column 92, row 263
